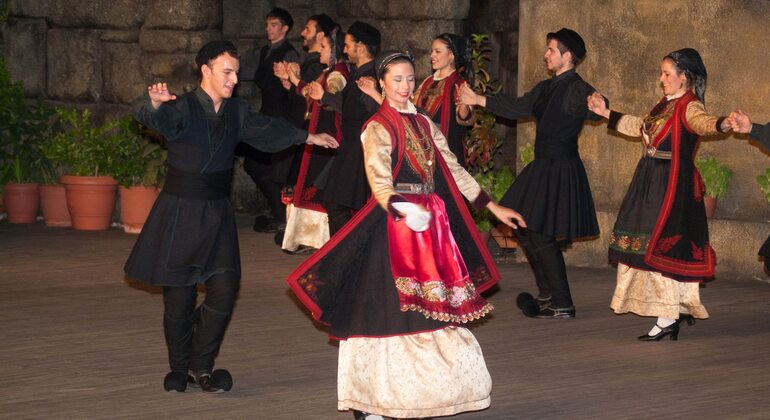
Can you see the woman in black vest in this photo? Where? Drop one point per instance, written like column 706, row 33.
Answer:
column 660, row 241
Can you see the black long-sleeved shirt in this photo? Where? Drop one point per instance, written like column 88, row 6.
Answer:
column 173, row 119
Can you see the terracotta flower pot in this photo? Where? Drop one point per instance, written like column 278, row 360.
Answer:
column 503, row 235
column 90, row 200
column 22, row 201
column 135, row 205
column 53, row 201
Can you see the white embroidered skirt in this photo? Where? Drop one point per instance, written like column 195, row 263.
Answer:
column 437, row 373
column 305, row 227
column 648, row 293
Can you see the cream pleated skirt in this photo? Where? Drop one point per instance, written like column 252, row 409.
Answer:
column 305, row 227
column 648, row 293
column 437, row 373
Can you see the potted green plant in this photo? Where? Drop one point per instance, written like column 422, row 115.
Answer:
column 23, row 128
column 495, row 182
column 482, row 142
column 88, row 153
column 53, row 195
column 140, row 173
column 716, row 177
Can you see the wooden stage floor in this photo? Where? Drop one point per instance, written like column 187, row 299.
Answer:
column 81, row 342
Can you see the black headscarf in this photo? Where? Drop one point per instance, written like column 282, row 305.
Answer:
column 461, row 48
column 386, row 57
column 689, row 61
column 337, row 42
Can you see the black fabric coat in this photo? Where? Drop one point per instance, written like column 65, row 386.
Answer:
column 186, row 239
column 552, row 193
column 346, row 184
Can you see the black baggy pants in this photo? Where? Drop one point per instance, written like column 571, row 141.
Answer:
column 258, row 166
column 194, row 335
column 547, row 262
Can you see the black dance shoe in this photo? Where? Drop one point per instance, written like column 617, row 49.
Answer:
column 360, row 415
column 301, row 250
column 216, row 382
column 175, row 382
column 528, row 305
column 264, row 224
column 556, row 313
column 672, row 331
column 543, row 302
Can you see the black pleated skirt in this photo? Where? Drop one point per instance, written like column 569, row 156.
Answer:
column 638, row 213
column 184, row 242
column 554, row 197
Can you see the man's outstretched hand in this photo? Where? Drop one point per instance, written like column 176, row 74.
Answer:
column 323, row 140
column 159, row 94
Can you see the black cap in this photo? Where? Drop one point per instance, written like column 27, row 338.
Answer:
column 364, row 32
column 571, row 40
column 283, row 15
column 213, row 50
column 324, row 23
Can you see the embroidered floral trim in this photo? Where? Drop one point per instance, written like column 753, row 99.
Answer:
column 697, row 253
column 633, row 243
column 481, row 275
column 443, row 316
column 437, row 291
column 309, row 284
column 665, row 244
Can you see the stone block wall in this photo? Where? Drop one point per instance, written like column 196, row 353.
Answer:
column 626, row 40
column 102, row 54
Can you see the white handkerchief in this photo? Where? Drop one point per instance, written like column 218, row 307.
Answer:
column 417, row 219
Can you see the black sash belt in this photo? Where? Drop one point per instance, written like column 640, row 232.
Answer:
column 209, row 186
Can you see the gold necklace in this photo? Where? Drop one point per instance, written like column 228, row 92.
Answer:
column 421, row 148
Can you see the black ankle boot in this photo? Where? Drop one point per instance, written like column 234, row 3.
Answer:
column 672, row 331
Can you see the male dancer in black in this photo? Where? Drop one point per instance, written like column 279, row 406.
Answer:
column 346, row 188
column 741, row 123
column 190, row 237
column 552, row 193
column 276, row 102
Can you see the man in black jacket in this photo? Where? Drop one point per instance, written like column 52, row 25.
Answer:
column 276, row 102
column 742, row 124
column 346, row 189
column 552, row 193
column 190, row 238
